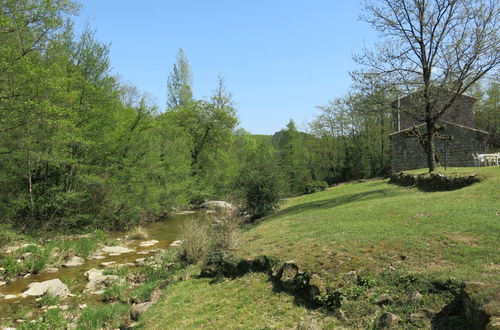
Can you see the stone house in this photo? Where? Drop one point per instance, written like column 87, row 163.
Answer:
column 457, row 121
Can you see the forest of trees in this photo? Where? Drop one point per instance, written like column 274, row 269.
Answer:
column 81, row 149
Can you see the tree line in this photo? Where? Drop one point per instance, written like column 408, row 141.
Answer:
column 81, row 149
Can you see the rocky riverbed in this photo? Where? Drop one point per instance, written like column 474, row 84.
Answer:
column 77, row 283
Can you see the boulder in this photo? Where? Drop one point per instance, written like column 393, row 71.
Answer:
column 74, row 262
column 137, row 310
column 217, row 206
column 388, row 320
column 287, row 274
column 384, row 299
column 54, row 287
column 317, row 287
column 97, row 281
column 2, row 283
column 10, row 296
column 116, row 249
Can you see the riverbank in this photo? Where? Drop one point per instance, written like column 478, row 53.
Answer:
column 94, row 271
column 382, row 255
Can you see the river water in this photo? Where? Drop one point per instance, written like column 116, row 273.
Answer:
column 165, row 232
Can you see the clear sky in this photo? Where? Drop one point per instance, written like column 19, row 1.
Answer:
column 280, row 58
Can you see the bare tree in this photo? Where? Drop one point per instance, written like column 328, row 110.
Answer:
column 433, row 49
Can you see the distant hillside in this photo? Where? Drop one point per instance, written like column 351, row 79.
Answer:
column 265, row 139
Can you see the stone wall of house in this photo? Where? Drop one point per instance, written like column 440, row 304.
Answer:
column 459, row 113
column 407, row 153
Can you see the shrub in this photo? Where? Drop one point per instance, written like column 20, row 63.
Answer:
column 143, row 292
column 52, row 319
column 196, row 240
column 315, row 186
column 47, row 300
column 115, row 292
column 260, row 183
column 225, row 232
column 8, row 235
column 108, row 316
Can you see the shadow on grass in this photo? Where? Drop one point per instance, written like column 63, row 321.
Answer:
column 451, row 318
column 299, row 296
column 338, row 201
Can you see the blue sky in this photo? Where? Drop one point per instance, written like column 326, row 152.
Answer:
column 279, row 58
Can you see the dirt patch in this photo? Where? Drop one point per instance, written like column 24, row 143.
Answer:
column 462, row 238
column 435, row 264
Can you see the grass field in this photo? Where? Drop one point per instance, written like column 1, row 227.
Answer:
column 396, row 239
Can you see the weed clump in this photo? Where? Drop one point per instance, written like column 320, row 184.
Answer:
column 108, row 316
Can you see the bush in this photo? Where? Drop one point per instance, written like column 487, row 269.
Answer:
column 47, row 300
column 260, row 183
column 196, row 240
column 116, row 292
column 8, row 235
column 315, row 186
column 225, row 232
column 107, row 316
column 52, row 319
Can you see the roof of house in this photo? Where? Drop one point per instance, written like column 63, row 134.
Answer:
column 442, row 121
column 410, row 94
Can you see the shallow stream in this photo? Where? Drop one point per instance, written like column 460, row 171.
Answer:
column 165, row 232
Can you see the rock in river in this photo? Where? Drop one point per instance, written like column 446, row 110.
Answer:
column 148, row 243
column 54, row 287
column 217, row 205
column 97, row 281
column 73, row 262
column 116, row 249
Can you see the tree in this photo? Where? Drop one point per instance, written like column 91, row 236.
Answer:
column 179, row 82
column 433, row 49
column 290, row 144
column 260, row 183
column 487, row 115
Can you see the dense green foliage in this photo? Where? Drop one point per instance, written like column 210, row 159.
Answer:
column 260, row 183
column 80, row 149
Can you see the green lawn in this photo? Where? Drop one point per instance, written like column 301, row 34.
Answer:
column 247, row 302
column 401, row 239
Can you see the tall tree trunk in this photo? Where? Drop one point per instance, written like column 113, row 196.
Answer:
column 431, row 149
column 30, row 185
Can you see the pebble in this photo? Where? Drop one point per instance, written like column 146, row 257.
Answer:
column 107, row 263
column 2, row 283
column 82, row 306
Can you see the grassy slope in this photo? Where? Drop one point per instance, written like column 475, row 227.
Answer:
column 366, row 227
